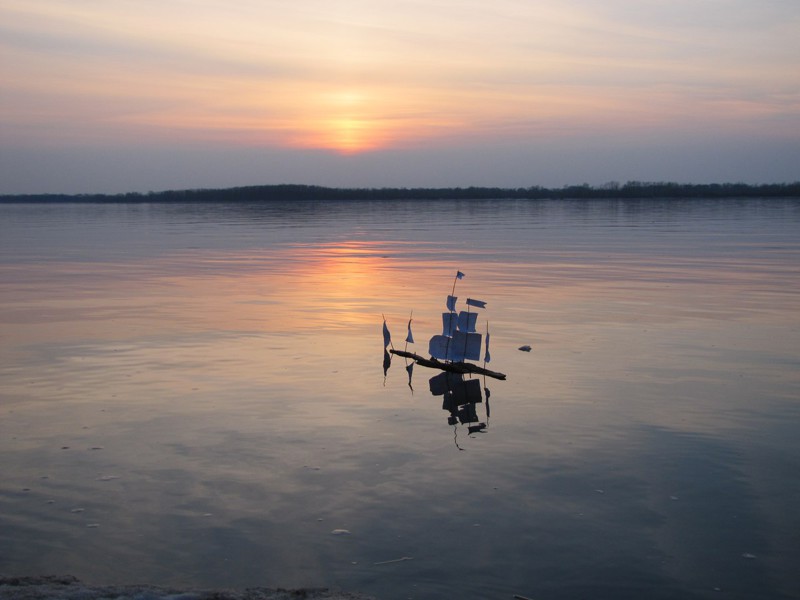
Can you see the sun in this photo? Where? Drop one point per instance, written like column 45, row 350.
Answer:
column 345, row 121
column 351, row 136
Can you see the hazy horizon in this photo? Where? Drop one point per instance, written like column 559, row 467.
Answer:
column 115, row 97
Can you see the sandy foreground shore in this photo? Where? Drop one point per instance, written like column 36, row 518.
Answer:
column 69, row 588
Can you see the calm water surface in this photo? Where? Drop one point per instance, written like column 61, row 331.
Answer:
column 194, row 395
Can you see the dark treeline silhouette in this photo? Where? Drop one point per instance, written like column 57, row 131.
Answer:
column 284, row 193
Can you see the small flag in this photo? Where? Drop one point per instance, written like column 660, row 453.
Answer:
column 451, row 303
column 387, row 337
column 459, row 275
column 409, row 337
column 477, row 303
column 487, row 357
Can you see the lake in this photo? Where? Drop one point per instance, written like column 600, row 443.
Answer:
column 196, row 395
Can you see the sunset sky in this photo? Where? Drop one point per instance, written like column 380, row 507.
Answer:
column 124, row 95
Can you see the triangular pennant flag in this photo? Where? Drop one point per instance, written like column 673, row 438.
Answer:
column 409, row 337
column 387, row 337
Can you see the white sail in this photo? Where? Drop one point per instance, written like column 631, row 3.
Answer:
column 462, row 346
column 455, row 351
column 438, row 346
column 465, row 346
column 449, row 324
column 467, row 321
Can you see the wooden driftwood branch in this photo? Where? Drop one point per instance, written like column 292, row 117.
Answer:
column 453, row 367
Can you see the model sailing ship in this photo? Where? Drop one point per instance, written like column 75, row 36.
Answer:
column 458, row 343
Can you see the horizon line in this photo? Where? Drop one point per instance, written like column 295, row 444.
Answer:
column 629, row 189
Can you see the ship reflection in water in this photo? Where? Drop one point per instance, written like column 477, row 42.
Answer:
column 464, row 398
column 461, row 398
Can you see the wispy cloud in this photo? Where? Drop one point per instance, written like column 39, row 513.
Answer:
column 358, row 75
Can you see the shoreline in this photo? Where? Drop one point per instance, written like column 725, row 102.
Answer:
column 67, row 587
column 632, row 190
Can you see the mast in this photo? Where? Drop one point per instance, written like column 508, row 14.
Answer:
column 459, row 275
column 451, row 304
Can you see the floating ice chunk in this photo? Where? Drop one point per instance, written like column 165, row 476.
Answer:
column 396, row 560
column 107, row 477
column 340, row 532
column 748, row 556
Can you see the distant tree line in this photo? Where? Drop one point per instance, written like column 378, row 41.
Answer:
column 288, row 193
